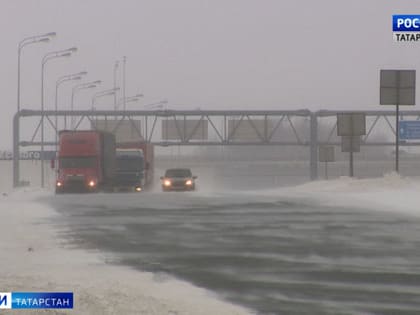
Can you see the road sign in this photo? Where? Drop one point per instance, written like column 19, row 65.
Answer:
column 397, row 87
column 350, row 144
column 409, row 129
column 326, row 153
column 28, row 155
column 351, row 124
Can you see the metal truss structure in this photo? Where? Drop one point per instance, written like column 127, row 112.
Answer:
column 225, row 127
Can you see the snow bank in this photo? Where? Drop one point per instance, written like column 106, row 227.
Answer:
column 33, row 260
column 391, row 192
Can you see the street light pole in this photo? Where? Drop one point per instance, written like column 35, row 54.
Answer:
column 26, row 41
column 133, row 98
column 47, row 57
column 115, row 83
column 156, row 105
column 124, row 63
column 64, row 78
column 100, row 94
column 79, row 87
column 103, row 93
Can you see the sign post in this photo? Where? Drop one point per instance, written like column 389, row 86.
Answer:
column 350, row 126
column 397, row 87
column 326, row 154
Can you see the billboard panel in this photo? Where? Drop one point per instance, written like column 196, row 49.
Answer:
column 125, row 130
column 248, row 129
column 185, row 130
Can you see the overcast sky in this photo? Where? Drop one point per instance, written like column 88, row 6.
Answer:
column 224, row 54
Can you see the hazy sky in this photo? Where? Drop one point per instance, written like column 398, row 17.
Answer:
column 225, row 54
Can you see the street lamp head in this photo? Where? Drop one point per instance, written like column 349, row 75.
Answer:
column 44, row 40
column 76, row 78
column 106, row 92
column 57, row 54
column 100, row 94
column 51, row 34
column 97, row 82
column 82, row 73
column 72, row 49
column 83, row 86
column 87, row 85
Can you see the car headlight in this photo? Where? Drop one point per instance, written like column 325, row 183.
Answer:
column 167, row 182
column 92, row 183
column 188, row 182
column 138, row 188
column 59, row 184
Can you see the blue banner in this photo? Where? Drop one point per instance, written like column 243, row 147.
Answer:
column 38, row 300
column 409, row 130
column 406, row 23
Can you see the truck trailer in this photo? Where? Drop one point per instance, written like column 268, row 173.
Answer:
column 86, row 161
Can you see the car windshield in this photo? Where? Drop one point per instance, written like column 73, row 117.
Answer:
column 178, row 173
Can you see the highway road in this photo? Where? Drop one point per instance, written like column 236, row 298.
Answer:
column 273, row 254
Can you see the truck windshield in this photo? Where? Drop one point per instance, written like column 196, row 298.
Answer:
column 77, row 162
column 129, row 164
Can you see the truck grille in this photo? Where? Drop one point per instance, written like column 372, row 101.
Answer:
column 127, row 178
column 75, row 183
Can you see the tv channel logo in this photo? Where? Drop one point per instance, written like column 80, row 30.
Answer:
column 5, row 300
column 406, row 28
column 36, row 300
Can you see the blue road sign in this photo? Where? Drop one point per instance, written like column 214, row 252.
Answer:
column 409, row 129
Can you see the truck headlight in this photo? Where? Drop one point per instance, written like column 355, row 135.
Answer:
column 188, row 182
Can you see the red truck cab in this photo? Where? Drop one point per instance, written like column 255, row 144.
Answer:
column 86, row 161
